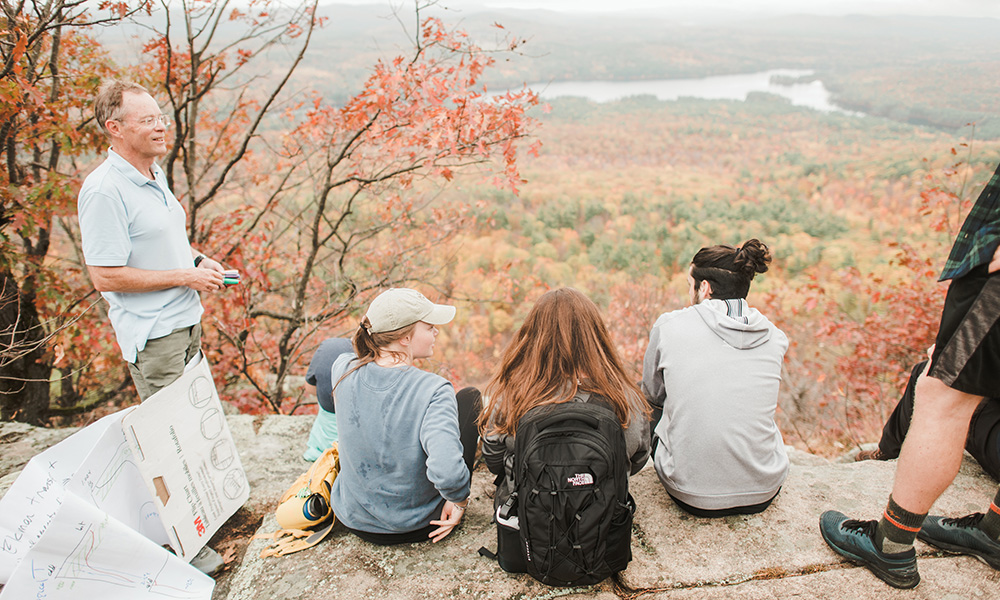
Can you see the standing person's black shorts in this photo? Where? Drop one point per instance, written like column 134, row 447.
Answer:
column 967, row 350
column 982, row 441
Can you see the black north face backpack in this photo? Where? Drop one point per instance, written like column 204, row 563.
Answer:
column 569, row 520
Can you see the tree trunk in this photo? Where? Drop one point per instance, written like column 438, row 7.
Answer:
column 24, row 365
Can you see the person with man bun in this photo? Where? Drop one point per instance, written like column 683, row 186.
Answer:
column 713, row 370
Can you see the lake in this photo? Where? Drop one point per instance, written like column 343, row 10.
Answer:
column 812, row 94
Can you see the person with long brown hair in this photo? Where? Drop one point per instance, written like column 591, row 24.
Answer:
column 407, row 442
column 562, row 353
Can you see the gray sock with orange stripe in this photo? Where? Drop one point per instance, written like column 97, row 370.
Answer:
column 897, row 529
column 991, row 520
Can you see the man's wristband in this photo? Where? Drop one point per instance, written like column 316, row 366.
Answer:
column 198, row 259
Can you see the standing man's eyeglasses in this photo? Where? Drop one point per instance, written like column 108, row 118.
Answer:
column 151, row 120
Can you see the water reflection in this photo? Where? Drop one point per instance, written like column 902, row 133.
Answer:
column 798, row 86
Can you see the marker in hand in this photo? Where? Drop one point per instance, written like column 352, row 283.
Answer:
column 230, row 277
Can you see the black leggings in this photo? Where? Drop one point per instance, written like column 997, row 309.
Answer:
column 470, row 404
column 982, row 442
column 750, row 509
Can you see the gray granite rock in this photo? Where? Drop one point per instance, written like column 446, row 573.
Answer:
column 953, row 578
column 20, row 442
column 776, row 554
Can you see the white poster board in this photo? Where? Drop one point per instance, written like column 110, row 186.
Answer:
column 182, row 444
column 87, row 553
column 88, row 517
column 96, row 465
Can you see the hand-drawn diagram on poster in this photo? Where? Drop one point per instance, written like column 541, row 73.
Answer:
column 183, row 446
column 96, row 464
column 88, row 517
column 86, row 553
column 111, row 480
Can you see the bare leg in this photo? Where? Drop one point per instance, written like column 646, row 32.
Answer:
column 932, row 451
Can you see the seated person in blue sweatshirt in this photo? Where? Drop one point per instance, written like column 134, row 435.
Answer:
column 324, row 429
column 407, row 443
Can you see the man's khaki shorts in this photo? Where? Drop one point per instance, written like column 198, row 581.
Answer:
column 162, row 361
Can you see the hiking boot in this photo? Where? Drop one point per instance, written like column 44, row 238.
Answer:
column 207, row 561
column 854, row 540
column 961, row 536
column 873, row 454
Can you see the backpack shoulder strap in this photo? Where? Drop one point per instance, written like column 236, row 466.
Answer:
column 304, row 512
column 318, row 478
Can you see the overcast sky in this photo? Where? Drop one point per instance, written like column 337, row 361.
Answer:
column 963, row 8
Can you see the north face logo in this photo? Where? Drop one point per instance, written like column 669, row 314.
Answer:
column 581, row 479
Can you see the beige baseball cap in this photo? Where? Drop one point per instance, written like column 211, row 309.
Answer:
column 399, row 307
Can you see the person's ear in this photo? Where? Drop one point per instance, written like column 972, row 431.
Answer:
column 705, row 289
column 113, row 127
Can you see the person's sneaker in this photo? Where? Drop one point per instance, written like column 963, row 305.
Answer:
column 961, row 536
column 853, row 539
column 207, row 561
column 873, row 454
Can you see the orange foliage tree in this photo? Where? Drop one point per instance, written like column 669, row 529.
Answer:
column 327, row 204
column 49, row 68
column 209, row 59
column 865, row 330
column 368, row 216
column 317, row 205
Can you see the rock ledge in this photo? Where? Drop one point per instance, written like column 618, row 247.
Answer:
column 776, row 554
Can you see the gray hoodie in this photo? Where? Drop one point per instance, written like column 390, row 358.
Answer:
column 715, row 368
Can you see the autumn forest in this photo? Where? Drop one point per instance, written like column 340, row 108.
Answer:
column 329, row 151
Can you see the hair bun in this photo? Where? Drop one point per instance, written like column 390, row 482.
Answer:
column 753, row 257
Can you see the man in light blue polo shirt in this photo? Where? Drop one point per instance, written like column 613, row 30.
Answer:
column 135, row 244
column 137, row 251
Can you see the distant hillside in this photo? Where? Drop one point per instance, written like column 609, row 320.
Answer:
column 938, row 72
column 930, row 71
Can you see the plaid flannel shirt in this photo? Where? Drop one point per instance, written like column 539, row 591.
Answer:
column 980, row 234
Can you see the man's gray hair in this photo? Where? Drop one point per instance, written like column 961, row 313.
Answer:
column 108, row 104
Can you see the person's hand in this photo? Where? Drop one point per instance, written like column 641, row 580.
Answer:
column 995, row 263
column 451, row 515
column 203, row 279
column 208, row 263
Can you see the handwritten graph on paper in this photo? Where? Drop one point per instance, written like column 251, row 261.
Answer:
column 86, row 553
column 33, row 499
column 110, row 479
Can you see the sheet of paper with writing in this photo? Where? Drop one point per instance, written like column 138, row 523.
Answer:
column 95, row 464
column 188, row 459
column 86, row 553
